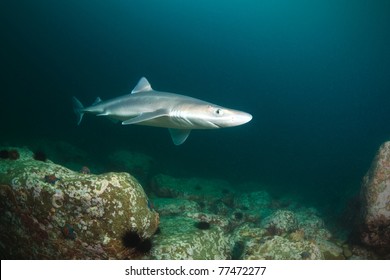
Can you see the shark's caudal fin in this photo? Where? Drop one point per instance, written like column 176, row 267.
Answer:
column 78, row 109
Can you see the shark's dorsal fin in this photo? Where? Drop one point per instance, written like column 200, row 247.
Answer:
column 97, row 101
column 146, row 116
column 142, row 86
column 179, row 135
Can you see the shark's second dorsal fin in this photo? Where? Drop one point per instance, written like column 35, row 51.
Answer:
column 142, row 86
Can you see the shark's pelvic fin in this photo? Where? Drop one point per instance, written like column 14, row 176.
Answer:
column 147, row 116
column 103, row 114
column 179, row 135
column 142, row 86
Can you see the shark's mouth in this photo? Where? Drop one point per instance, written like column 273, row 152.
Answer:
column 213, row 125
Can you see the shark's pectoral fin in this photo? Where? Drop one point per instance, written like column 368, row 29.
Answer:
column 146, row 116
column 179, row 135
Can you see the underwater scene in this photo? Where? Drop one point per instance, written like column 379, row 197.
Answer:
column 209, row 130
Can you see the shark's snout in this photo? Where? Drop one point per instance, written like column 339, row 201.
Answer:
column 239, row 118
column 245, row 117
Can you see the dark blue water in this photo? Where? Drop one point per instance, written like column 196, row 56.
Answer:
column 315, row 75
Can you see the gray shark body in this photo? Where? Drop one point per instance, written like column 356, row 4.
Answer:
column 179, row 113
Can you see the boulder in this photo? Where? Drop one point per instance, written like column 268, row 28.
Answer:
column 280, row 222
column 175, row 206
column 256, row 202
column 51, row 212
column 312, row 225
column 280, row 248
column 375, row 196
column 180, row 239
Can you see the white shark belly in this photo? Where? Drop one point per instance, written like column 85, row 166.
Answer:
column 169, row 122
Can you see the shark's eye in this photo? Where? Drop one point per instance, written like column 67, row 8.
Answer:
column 218, row 112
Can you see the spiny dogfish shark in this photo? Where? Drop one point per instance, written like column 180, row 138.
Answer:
column 179, row 113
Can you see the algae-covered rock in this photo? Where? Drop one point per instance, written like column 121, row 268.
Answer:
column 330, row 250
column 180, row 239
column 218, row 220
column 279, row 248
column 362, row 253
column 259, row 244
column 375, row 196
column 312, row 225
column 51, row 212
column 257, row 200
column 175, row 206
column 281, row 221
column 256, row 204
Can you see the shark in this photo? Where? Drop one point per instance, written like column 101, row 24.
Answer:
column 179, row 113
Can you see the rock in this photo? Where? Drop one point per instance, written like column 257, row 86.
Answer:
column 218, row 220
column 362, row 253
column 181, row 240
column 75, row 216
column 256, row 201
column 255, row 204
column 258, row 244
column 312, row 224
column 280, row 222
column 175, row 206
column 279, row 248
column 375, row 196
column 297, row 235
column 330, row 250
column 347, row 252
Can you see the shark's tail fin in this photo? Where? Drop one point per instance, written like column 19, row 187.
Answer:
column 78, row 109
